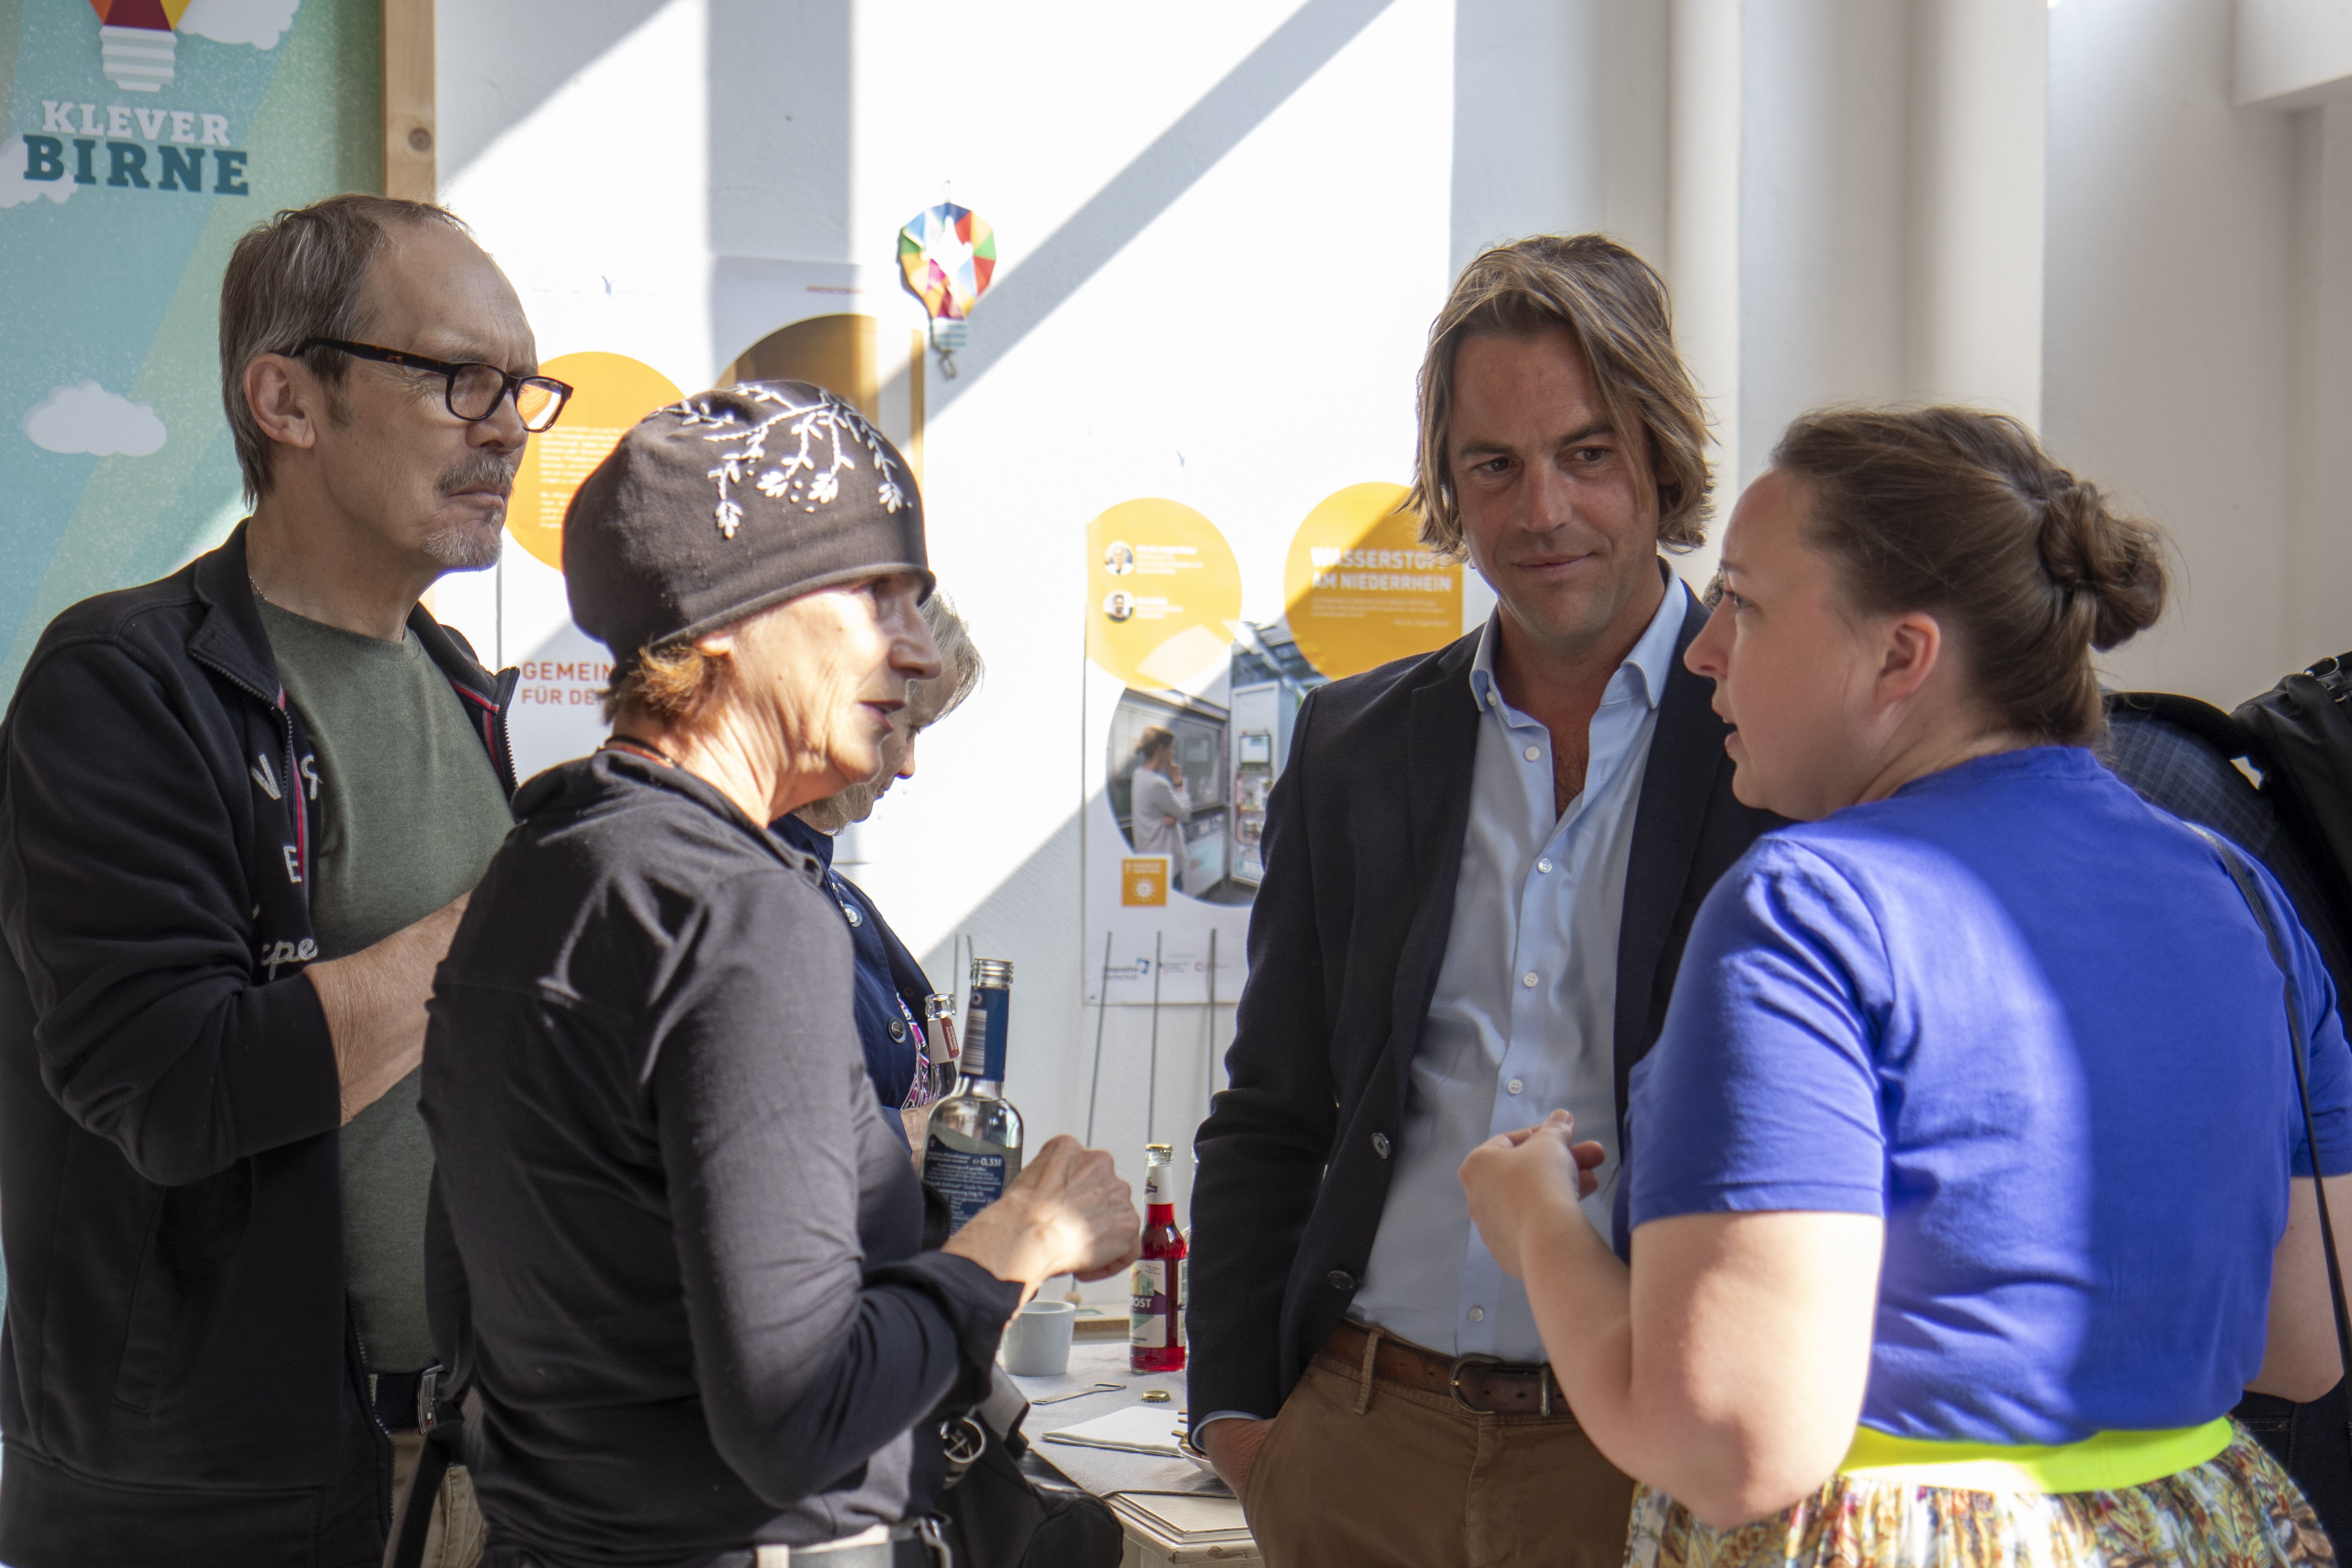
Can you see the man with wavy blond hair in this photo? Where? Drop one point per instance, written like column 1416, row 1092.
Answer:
column 1481, row 867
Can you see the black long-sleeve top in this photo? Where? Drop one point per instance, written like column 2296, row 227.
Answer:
column 687, row 1242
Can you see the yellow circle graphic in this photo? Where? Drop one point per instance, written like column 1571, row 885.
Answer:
column 1360, row 587
column 610, row 393
column 1163, row 592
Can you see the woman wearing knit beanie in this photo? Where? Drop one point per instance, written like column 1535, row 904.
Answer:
column 685, row 1243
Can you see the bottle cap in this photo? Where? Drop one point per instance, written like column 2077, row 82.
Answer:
column 939, row 1005
column 995, row 973
column 1159, row 1154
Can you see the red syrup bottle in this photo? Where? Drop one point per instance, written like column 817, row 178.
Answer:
column 1155, row 1323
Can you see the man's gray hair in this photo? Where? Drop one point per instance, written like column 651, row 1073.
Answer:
column 300, row 276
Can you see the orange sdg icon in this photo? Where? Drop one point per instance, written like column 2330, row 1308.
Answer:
column 1143, row 881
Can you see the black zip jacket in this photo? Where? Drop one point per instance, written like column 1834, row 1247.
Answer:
column 179, row 1379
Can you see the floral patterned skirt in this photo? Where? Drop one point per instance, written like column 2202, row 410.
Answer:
column 2238, row 1509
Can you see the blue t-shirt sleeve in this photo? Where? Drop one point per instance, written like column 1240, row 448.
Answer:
column 2323, row 1026
column 1762, row 1093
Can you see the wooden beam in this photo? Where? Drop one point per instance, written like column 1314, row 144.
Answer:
column 411, row 166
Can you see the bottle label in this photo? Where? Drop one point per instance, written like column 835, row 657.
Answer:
column 984, row 1033
column 968, row 1182
column 1155, row 1184
column 941, row 1031
column 1151, row 1310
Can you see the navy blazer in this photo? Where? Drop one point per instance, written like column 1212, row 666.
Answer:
column 1363, row 846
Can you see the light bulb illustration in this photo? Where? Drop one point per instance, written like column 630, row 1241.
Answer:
column 137, row 41
column 949, row 256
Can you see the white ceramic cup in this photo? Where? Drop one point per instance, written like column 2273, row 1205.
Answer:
column 1037, row 1339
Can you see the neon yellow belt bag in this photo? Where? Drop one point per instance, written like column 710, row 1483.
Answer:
column 2104, row 1462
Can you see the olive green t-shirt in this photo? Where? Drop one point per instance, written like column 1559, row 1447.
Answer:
column 412, row 812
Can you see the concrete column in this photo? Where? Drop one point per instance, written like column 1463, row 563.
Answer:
column 1560, row 123
column 1980, row 83
column 1823, row 184
column 1702, row 259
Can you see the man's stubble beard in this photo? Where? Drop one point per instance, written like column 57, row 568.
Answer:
column 467, row 546
column 474, row 545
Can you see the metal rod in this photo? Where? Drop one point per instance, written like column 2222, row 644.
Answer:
column 1102, row 1011
column 1152, row 1098
column 1213, row 1021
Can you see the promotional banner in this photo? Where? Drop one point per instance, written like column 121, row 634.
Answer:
column 142, row 138
column 1190, row 710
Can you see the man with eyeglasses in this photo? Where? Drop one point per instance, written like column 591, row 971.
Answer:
column 240, row 812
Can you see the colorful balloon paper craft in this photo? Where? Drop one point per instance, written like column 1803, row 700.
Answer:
column 949, row 256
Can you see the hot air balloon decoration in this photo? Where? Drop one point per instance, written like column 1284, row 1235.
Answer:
column 949, row 256
column 136, row 41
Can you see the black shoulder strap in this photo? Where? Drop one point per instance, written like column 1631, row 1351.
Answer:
column 2296, row 1044
column 2224, row 732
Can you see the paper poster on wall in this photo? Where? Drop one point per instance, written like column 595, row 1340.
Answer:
column 558, row 707
column 141, row 140
column 1190, row 708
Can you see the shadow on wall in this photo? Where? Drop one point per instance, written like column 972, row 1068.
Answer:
column 1150, row 184
column 515, row 61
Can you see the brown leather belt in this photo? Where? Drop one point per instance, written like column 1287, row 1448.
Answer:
column 1478, row 1383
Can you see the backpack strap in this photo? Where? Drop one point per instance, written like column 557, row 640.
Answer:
column 2224, row 732
column 2296, row 1044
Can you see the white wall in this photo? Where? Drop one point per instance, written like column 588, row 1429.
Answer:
column 1223, row 238
column 2169, row 325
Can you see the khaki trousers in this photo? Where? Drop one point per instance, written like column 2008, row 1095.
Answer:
column 1358, row 1472
column 454, row 1539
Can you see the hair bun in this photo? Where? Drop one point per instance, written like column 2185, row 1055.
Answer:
column 2113, row 562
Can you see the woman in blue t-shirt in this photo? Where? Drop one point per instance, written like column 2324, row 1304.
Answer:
column 1968, row 1181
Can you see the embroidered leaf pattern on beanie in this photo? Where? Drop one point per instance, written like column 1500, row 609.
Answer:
column 801, row 476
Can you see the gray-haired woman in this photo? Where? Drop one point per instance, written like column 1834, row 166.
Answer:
column 891, row 986
column 701, row 1319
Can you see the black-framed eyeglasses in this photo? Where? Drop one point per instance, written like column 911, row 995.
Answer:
column 474, row 391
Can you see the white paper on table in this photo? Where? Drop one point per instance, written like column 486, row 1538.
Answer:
column 1196, row 1518
column 1138, row 1430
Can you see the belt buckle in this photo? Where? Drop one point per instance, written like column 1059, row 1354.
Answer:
column 1453, row 1384
column 1454, row 1380
column 429, row 1390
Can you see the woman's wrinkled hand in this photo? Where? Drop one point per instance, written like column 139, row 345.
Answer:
column 1532, row 1177
column 1066, row 1213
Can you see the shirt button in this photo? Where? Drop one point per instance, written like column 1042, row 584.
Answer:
column 1529, row 980
column 1477, row 1315
column 1544, row 864
column 853, row 915
column 1515, row 1085
column 1532, row 752
column 1381, row 1144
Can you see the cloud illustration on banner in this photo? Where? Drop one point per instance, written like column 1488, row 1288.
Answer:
column 255, row 22
column 85, row 417
column 14, row 189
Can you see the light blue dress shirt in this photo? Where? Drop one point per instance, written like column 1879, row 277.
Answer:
column 1523, row 1021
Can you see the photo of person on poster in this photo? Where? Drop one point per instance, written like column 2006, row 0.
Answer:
column 1162, row 808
